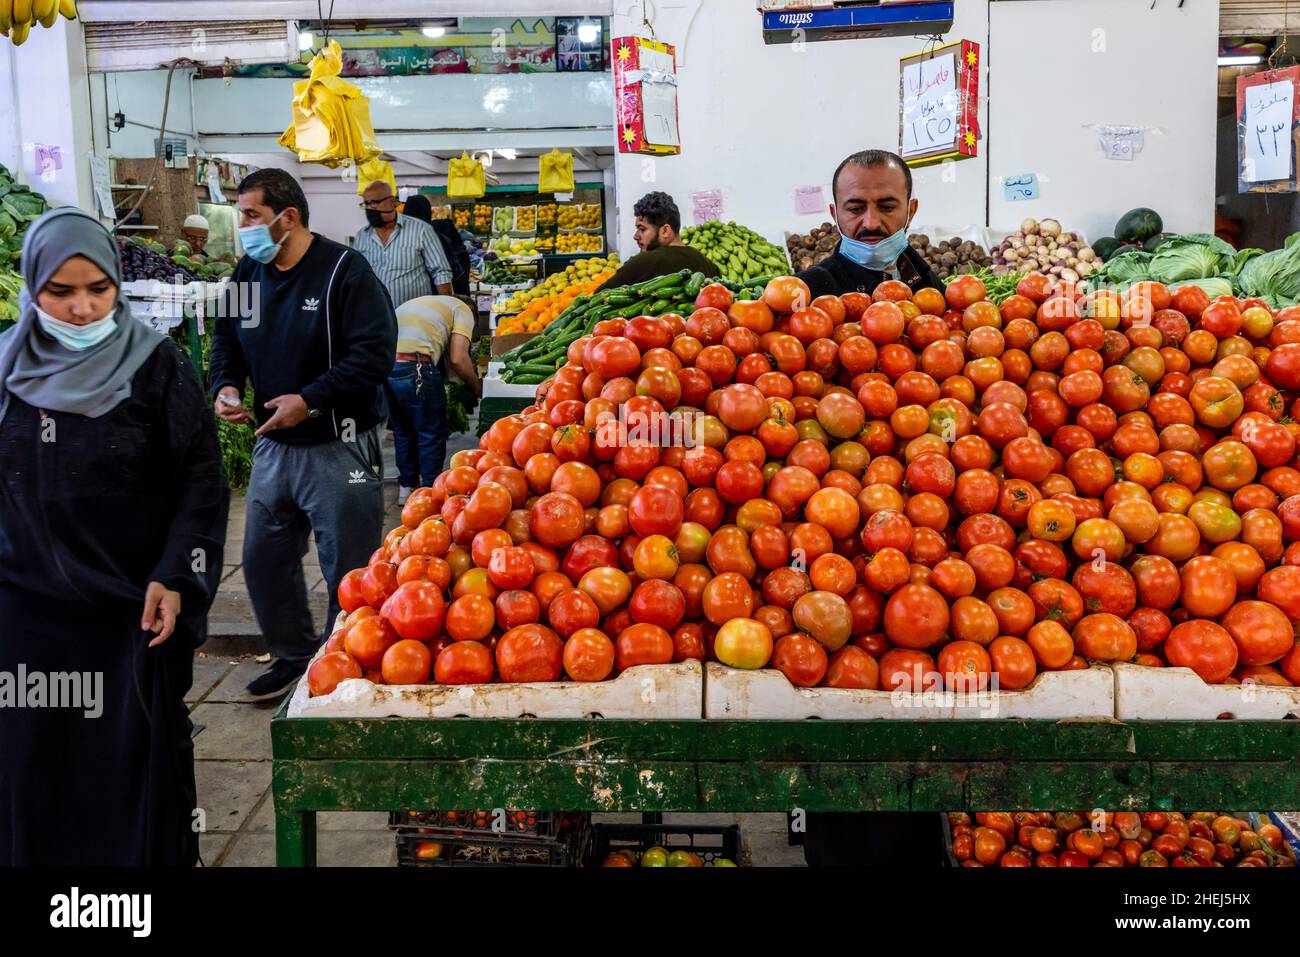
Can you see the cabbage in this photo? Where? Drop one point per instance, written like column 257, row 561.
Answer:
column 1184, row 258
column 1274, row 277
column 1214, row 286
column 1124, row 268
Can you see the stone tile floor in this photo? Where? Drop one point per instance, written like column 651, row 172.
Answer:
column 233, row 741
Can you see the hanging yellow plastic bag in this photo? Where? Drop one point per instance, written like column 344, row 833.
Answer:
column 375, row 171
column 556, row 173
column 465, row 179
column 331, row 117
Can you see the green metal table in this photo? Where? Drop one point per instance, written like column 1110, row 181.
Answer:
column 332, row 764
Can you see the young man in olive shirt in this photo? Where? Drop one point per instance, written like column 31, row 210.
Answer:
column 658, row 224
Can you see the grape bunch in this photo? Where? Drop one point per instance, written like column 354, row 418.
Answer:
column 141, row 263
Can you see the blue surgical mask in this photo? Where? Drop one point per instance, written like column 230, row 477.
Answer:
column 879, row 255
column 75, row 337
column 257, row 241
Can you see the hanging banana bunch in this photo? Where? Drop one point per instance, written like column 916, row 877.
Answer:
column 18, row 16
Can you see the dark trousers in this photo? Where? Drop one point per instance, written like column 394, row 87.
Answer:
column 417, row 414
column 874, row 840
column 334, row 489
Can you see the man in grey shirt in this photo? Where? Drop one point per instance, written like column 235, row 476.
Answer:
column 405, row 253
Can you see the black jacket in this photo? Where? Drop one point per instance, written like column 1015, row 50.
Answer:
column 837, row 275
column 324, row 329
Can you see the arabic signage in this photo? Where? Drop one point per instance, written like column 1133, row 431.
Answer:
column 480, row 45
column 1268, row 131
column 939, row 104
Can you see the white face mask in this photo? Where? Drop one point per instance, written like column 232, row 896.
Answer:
column 75, row 337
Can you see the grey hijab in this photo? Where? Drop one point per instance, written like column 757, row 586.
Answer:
column 43, row 372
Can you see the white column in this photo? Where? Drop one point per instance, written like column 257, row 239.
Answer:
column 45, row 98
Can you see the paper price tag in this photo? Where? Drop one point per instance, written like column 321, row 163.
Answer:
column 1268, row 132
column 809, row 200
column 1120, row 142
column 706, row 205
column 1021, row 187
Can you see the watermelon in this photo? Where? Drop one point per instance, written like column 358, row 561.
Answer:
column 1138, row 225
column 1105, row 247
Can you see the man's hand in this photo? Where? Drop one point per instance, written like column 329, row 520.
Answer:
column 289, row 411
column 161, row 609
column 232, row 412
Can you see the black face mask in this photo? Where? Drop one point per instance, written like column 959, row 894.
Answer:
column 375, row 217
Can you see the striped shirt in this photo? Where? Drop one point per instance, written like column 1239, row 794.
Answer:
column 425, row 325
column 405, row 264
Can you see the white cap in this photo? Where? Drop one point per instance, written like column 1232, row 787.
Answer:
column 195, row 221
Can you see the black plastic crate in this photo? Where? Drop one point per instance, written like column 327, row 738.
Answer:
column 710, row 842
column 430, row 847
column 515, row 822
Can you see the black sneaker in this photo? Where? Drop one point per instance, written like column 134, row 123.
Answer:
column 278, row 679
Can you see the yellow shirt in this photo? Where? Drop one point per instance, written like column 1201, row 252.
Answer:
column 425, row 324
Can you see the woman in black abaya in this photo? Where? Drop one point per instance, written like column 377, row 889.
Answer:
column 112, row 524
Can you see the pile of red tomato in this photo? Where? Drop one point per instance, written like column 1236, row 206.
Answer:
column 892, row 491
column 1115, row 839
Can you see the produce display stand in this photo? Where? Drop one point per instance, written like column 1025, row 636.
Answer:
column 349, row 764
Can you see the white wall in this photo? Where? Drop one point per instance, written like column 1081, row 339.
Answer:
column 44, row 98
column 140, row 95
column 759, row 121
column 1115, row 62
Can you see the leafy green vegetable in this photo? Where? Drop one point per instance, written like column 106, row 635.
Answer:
column 459, row 399
column 1214, row 286
column 8, row 225
column 1214, row 243
column 1124, row 268
column 1274, row 277
column 1183, row 257
column 1240, row 258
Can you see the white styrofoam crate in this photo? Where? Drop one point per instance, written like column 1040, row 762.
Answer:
column 767, row 694
column 642, row 692
column 494, row 388
column 1179, row 694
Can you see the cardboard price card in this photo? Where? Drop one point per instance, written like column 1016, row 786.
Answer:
column 645, row 96
column 939, row 104
column 1268, row 131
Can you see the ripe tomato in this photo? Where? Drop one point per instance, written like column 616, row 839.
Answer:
column 416, row 610
column 470, row 618
column 851, row 667
column 965, row 666
column 1013, row 661
column 330, row 670
column 464, row 663
column 1105, row 637
column 588, row 655
column 801, row 659
column 406, row 662
column 743, row 643
column 530, row 653
column 916, row 616
column 825, row 616
column 1205, row 647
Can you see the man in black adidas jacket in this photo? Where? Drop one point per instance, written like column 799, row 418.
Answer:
column 308, row 322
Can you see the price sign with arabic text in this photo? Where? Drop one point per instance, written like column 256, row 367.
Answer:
column 1268, row 131
column 939, row 104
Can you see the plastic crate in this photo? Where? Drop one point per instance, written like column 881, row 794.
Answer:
column 461, row 848
column 709, row 842
column 515, row 823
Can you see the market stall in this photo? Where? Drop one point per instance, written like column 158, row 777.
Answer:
column 706, row 766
